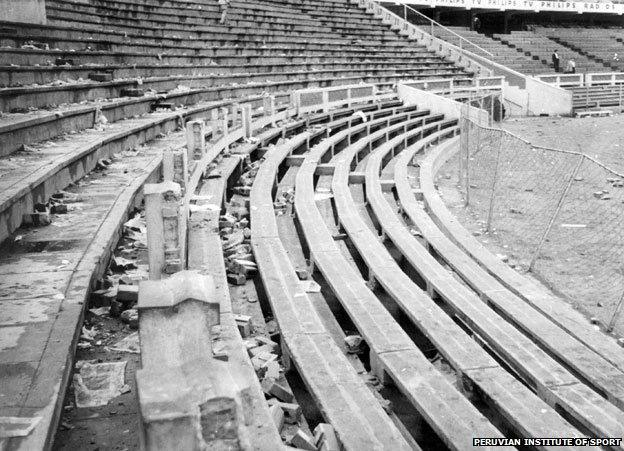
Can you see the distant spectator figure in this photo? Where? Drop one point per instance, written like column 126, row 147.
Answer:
column 476, row 23
column 555, row 60
column 224, row 5
column 615, row 57
column 571, row 67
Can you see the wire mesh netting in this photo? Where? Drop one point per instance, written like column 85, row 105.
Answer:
column 559, row 213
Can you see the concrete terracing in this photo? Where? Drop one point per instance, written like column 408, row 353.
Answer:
column 334, row 344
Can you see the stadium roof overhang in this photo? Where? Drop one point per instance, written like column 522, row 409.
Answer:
column 580, row 6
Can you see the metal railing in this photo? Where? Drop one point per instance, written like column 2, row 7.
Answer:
column 588, row 79
column 461, row 57
column 433, row 24
column 458, row 85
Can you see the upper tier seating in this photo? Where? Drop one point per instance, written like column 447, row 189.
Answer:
column 541, row 47
column 164, row 45
column 599, row 44
column 129, row 58
column 500, row 52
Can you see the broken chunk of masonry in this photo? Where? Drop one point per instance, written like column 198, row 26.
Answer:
column 188, row 400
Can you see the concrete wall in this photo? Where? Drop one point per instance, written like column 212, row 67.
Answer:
column 438, row 104
column 547, row 99
column 516, row 100
column 26, row 11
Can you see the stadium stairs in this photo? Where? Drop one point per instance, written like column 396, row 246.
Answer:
column 500, row 51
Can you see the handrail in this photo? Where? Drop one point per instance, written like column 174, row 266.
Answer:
column 587, row 79
column 453, row 85
column 447, row 29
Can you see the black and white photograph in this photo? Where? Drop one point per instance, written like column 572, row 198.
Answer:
column 321, row 225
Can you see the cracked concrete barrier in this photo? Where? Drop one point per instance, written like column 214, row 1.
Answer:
column 166, row 217
column 188, row 400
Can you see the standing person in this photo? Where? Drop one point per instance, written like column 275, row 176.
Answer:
column 572, row 65
column 555, row 60
column 224, row 5
column 476, row 23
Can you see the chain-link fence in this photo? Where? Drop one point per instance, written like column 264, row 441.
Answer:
column 558, row 214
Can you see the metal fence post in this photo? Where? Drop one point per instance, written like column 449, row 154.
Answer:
column 555, row 213
column 494, row 182
column 462, row 148
column 616, row 313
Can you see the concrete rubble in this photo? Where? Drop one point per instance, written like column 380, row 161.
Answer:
column 235, row 232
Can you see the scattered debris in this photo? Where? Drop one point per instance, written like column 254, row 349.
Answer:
column 127, row 344
column 278, row 416
column 354, row 344
column 301, row 440
column 17, row 426
column 310, row 286
column 100, row 311
column 273, row 388
column 130, row 317
column 302, row 274
column 292, row 411
column 244, row 325
column 95, row 384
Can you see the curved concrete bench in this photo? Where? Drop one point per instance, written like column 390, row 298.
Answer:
column 45, row 174
column 238, row 63
column 344, row 399
column 590, row 367
column 210, row 88
column 30, row 72
column 40, row 126
column 47, row 385
column 511, row 399
column 187, row 398
column 453, row 418
column 206, row 256
column 531, row 292
column 554, row 384
column 53, row 352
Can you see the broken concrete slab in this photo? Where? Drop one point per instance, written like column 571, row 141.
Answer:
column 169, row 339
column 200, row 404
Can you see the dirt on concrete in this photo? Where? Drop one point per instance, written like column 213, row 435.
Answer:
column 106, row 331
column 600, row 138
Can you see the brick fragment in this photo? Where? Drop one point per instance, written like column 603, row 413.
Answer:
column 278, row 416
column 301, row 440
column 244, row 324
column 128, row 294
